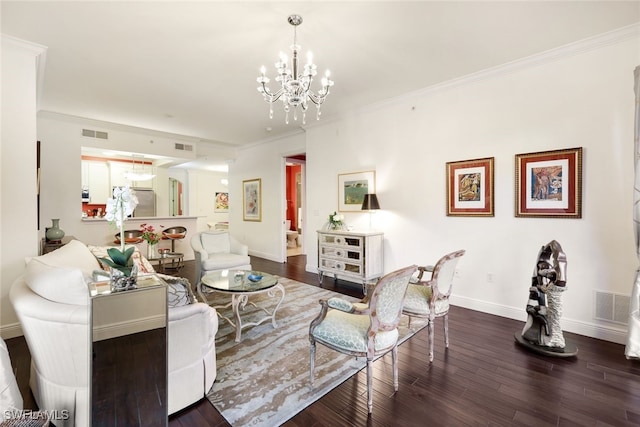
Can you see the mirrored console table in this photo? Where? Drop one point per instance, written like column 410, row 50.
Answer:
column 128, row 369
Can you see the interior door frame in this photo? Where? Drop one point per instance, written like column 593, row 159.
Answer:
column 302, row 196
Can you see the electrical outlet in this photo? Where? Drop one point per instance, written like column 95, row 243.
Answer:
column 490, row 277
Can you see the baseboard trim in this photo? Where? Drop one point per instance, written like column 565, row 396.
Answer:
column 119, row 329
column 613, row 333
column 11, row 331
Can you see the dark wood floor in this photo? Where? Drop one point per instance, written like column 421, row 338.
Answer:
column 483, row 379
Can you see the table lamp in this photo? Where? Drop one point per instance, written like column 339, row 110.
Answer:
column 370, row 203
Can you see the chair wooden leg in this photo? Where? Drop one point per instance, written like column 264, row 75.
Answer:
column 394, row 365
column 446, row 330
column 431, row 332
column 370, row 385
column 312, row 361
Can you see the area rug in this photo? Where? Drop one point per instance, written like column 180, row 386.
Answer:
column 264, row 379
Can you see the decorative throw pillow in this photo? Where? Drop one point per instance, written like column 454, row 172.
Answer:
column 215, row 243
column 74, row 254
column 178, row 291
column 144, row 266
column 60, row 284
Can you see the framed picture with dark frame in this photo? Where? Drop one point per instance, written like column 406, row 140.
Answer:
column 549, row 184
column 252, row 200
column 470, row 187
column 352, row 187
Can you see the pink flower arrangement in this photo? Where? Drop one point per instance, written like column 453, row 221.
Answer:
column 149, row 234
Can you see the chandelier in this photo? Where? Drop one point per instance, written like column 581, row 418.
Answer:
column 295, row 87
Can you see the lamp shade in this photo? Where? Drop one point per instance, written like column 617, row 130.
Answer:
column 370, row 202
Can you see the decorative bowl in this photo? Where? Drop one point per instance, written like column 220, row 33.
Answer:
column 254, row 277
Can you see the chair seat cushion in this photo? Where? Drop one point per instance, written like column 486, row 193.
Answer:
column 222, row 261
column 348, row 332
column 417, row 301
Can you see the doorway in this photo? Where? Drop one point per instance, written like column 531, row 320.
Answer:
column 175, row 197
column 295, row 203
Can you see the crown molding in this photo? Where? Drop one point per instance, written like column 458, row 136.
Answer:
column 40, row 53
column 556, row 54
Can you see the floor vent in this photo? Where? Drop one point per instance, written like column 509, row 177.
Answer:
column 95, row 134
column 183, row 147
column 612, row 307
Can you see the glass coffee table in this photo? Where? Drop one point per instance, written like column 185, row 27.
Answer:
column 237, row 283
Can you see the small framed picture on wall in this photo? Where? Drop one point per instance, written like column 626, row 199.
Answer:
column 222, row 202
column 549, row 184
column 470, row 187
column 352, row 187
column 252, row 200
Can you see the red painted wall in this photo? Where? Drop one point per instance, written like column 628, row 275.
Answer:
column 292, row 194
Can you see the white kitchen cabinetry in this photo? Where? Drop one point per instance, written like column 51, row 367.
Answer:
column 96, row 177
column 117, row 173
column 351, row 255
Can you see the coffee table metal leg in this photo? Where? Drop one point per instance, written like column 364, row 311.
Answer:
column 272, row 294
column 237, row 302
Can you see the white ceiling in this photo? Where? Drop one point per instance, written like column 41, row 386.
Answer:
column 190, row 67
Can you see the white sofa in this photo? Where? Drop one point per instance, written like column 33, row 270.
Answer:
column 51, row 300
column 218, row 250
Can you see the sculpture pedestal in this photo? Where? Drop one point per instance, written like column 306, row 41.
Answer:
column 569, row 349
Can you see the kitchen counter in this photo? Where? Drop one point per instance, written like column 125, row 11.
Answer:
column 144, row 218
column 100, row 232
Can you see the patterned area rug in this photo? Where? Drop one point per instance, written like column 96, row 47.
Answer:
column 264, row 379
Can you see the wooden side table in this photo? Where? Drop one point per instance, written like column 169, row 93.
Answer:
column 50, row 246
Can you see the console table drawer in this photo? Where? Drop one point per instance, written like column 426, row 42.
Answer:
column 341, row 240
column 338, row 266
column 337, row 252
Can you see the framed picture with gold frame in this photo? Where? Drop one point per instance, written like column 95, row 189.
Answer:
column 352, row 187
column 549, row 184
column 470, row 187
column 252, row 200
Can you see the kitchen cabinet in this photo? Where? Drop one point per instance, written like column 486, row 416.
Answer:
column 120, row 169
column 96, row 177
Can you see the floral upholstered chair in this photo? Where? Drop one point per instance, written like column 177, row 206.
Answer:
column 365, row 329
column 430, row 299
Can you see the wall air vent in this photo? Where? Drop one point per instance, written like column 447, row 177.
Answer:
column 183, row 147
column 95, row 134
column 612, row 307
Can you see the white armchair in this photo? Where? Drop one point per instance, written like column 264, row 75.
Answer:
column 219, row 250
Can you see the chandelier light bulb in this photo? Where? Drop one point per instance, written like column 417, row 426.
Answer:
column 295, row 81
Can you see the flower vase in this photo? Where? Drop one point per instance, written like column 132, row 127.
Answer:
column 121, row 282
column 54, row 233
column 152, row 251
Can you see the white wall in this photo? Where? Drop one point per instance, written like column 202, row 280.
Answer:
column 581, row 96
column 266, row 238
column 203, row 186
column 62, row 141
column 18, row 213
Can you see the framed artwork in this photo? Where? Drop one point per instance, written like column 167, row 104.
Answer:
column 222, row 202
column 252, row 200
column 549, row 184
column 470, row 187
column 352, row 187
